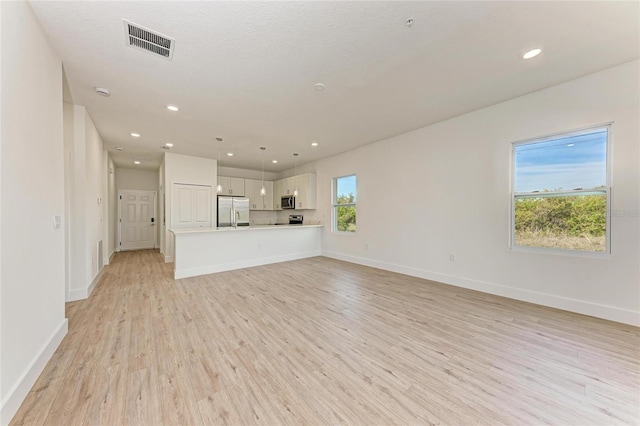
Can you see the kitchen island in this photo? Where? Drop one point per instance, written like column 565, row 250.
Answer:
column 205, row 251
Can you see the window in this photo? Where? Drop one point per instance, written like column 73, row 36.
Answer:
column 344, row 204
column 560, row 196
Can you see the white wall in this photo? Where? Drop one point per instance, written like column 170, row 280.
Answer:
column 32, row 277
column 70, row 246
column 444, row 189
column 95, row 176
column 127, row 178
column 190, row 170
column 161, row 207
column 75, row 153
column 247, row 174
column 111, row 230
column 86, row 179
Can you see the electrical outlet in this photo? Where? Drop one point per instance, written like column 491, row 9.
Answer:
column 452, row 257
column 366, row 246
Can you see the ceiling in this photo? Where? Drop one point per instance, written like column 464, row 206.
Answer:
column 245, row 71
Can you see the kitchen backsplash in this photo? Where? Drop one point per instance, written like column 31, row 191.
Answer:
column 257, row 217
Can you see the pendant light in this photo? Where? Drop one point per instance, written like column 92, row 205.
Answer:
column 263, row 191
column 295, row 173
column 219, row 186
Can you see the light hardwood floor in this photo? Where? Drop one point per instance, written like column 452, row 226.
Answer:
column 319, row 341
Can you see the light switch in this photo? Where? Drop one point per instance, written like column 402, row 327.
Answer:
column 56, row 222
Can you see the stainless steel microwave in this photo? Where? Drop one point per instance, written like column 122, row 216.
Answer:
column 288, row 202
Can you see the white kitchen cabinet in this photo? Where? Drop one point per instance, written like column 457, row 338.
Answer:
column 249, row 193
column 306, row 186
column 252, row 191
column 288, row 185
column 267, row 200
column 277, row 193
column 232, row 186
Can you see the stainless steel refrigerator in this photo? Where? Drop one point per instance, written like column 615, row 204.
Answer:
column 233, row 212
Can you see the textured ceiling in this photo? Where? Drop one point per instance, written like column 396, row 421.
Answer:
column 245, row 71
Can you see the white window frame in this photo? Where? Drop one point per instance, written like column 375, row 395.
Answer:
column 606, row 191
column 335, row 205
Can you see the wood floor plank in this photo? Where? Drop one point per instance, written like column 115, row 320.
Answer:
column 36, row 408
column 220, row 409
column 107, row 404
column 142, row 398
column 179, row 406
column 320, row 341
column 142, row 348
column 74, row 397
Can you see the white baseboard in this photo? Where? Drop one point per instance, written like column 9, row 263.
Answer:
column 612, row 313
column 211, row 269
column 107, row 260
column 74, row 295
column 21, row 388
column 84, row 293
column 94, row 282
column 168, row 259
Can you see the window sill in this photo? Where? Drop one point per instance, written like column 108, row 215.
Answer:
column 561, row 252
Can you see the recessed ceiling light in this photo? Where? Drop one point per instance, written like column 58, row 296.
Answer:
column 274, row 161
column 319, row 87
column 532, row 54
column 136, row 162
column 103, row 92
column 172, row 108
column 135, row 135
column 119, row 148
column 229, row 154
column 168, row 144
column 314, row 143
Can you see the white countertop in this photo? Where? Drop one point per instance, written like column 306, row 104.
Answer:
column 241, row 229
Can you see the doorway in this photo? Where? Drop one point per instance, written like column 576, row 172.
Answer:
column 137, row 219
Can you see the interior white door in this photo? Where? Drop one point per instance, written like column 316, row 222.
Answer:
column 191, row 206
column 137, row 219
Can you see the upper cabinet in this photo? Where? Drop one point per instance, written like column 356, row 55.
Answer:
column 252, row 191
column 232, row 186
column 277, row 193
column 267, row 200
column 250, row 188
column 306, row 186
column 288, row 185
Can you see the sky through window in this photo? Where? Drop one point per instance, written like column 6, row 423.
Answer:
column 566, row 163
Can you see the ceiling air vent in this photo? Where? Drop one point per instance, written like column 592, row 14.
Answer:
column 143, row 38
